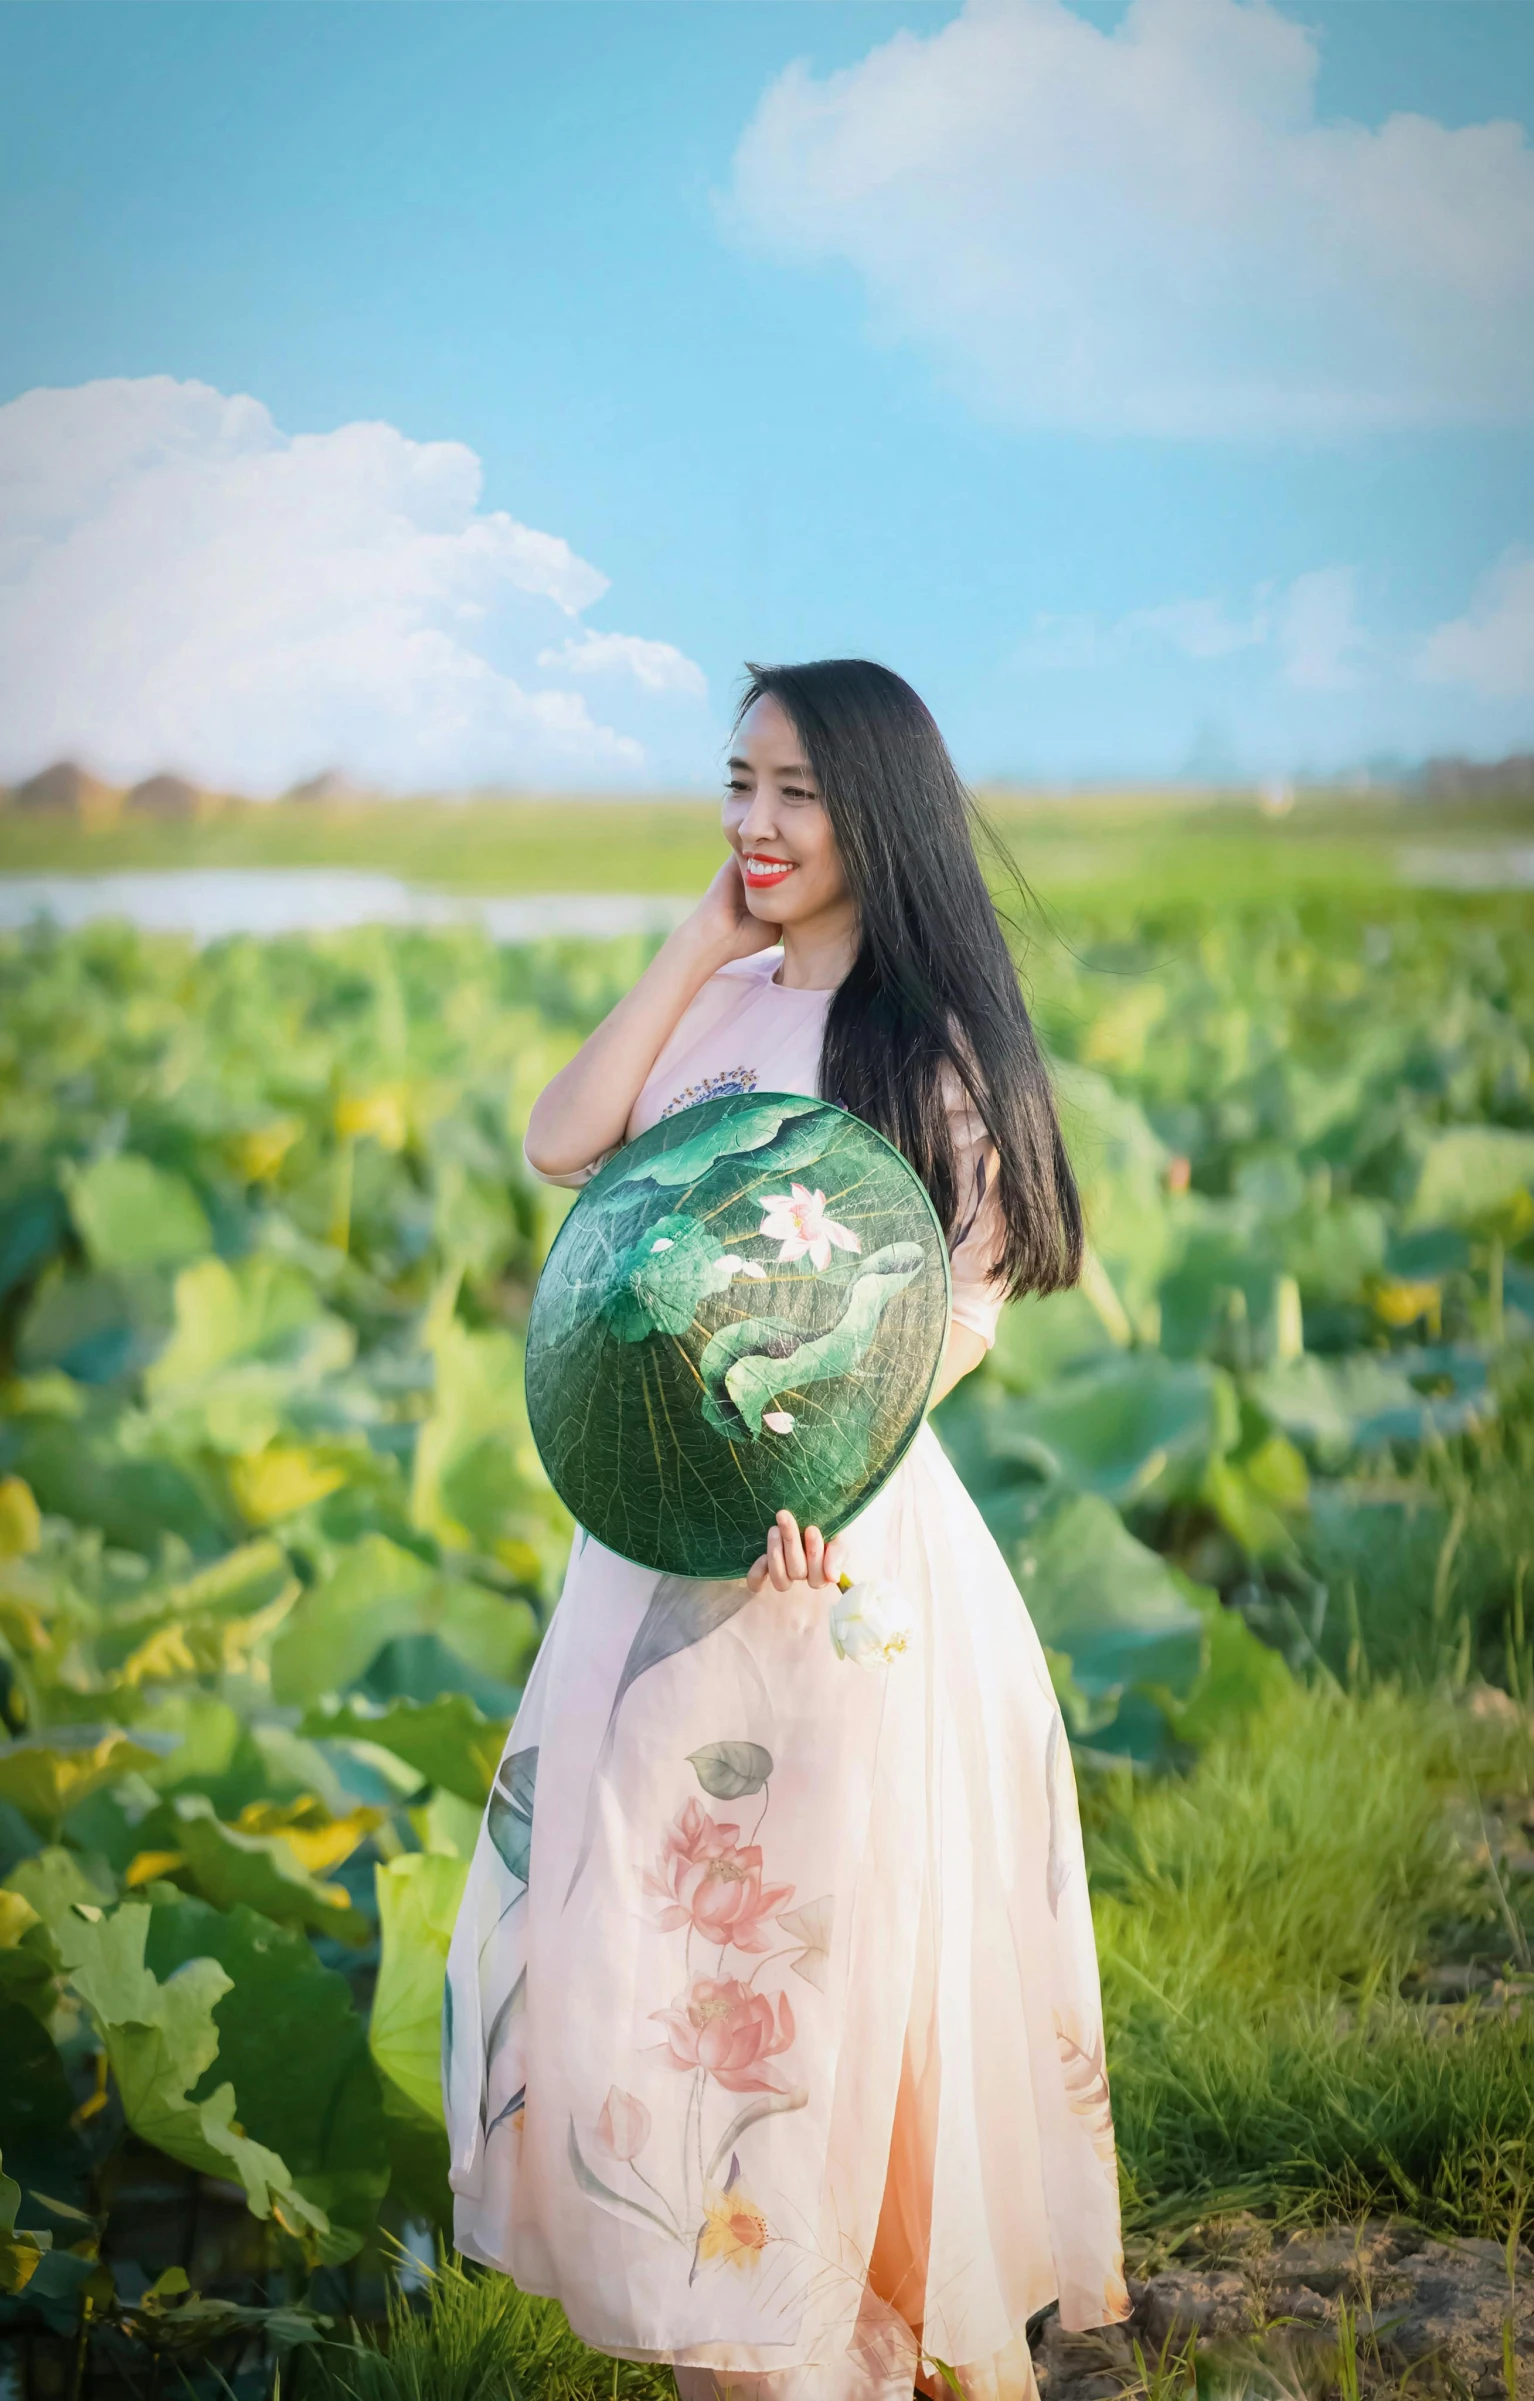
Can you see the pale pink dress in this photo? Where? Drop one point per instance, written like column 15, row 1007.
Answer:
column 790, row 2090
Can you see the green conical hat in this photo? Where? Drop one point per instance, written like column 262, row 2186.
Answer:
column 744, row 1312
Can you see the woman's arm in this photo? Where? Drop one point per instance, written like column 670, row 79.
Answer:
column 962, row 1353
column 585, row 1110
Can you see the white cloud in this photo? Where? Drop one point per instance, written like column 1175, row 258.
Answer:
column 1310, row 626
column 658, row 666
column 1490, row 648
column 1318, row 631
column 1150, row 230
column 1201, row 629
column 182, row 584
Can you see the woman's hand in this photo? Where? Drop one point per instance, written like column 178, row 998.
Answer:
column 795, row 1558
column 584, row 1112
column 723, row 921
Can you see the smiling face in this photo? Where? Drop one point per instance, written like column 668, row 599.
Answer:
column 777, row 824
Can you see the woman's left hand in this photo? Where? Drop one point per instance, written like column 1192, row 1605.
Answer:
column 795, row 1558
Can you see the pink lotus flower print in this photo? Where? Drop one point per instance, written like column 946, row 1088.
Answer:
column 722, row 2026
column 797, row 1220
column 708, row 1879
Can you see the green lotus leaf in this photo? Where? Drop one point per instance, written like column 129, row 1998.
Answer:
column 255, row 1319
column 1472, row 1175
column 260, row 1870
column 131, row 1213
column 378, row 1592
column 46, row 1775
column 477, row 1482
column 418, row 1899
column 33, row 1224
column 98, row 1325
column 22, row 2250
column 1127, row 1425
column 43, row 2151
column 1122, row 1629
column 448, row 1741
column 161, row 2039
column 728, row 1771
column 292, row 2044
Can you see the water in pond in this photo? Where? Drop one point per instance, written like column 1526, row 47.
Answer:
column 210, row 902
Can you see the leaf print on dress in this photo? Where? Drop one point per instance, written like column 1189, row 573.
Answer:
column 710, row 1881
column 591, row 2183
column 729, row 1771
column 811, row 1926
column 509, row 1817
column 1086, row 2082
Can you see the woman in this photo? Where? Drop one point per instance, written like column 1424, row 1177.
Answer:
column 806, row 2104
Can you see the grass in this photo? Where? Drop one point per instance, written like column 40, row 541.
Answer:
column 1437, row 1572
column 1102, row 844
column 475, row 2337
column 1255, row 1921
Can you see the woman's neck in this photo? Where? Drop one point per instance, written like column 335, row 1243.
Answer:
column 818, row 954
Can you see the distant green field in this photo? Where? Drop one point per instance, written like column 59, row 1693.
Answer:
column 1220, row 847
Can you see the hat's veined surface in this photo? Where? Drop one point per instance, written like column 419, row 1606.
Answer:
column 744, row 1312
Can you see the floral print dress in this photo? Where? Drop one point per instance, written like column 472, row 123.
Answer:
column 773, row 2043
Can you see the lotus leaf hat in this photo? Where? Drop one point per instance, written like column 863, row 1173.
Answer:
column 744, row 1312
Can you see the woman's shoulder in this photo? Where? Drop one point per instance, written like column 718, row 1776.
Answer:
column 759, row 968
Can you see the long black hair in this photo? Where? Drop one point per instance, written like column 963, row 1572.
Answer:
column 933, row 992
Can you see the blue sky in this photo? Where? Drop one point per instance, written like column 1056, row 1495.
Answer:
column 1150, row 386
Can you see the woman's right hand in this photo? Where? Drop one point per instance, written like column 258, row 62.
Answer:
column 723, row 921
column 584, row 1112
column 792, row 1557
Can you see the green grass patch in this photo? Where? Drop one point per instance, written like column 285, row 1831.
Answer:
column 472, row 2336
column 1255, row 1921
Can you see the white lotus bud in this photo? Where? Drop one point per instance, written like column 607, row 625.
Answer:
column 779, row 1420
column 871, row 1622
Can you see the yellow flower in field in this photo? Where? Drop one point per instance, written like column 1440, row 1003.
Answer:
column 380, row 1113
column 733, row 2229
column 258, row 1153
column 1399, row 1301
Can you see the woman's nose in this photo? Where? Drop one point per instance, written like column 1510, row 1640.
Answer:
column 759, row 823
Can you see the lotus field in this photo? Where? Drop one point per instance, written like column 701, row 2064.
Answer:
column 277, row 1553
